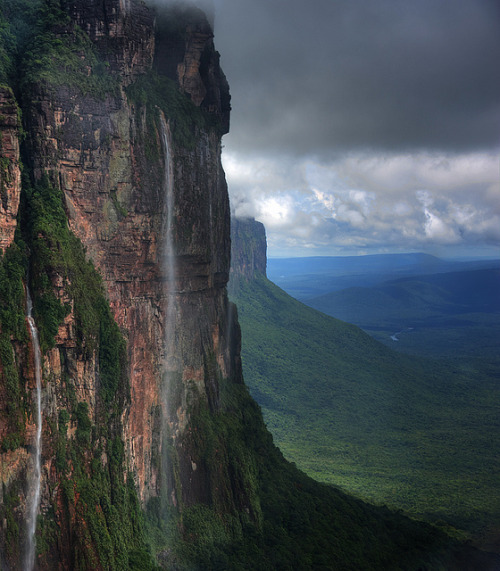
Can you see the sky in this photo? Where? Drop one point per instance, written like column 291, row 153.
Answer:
column 364, row 126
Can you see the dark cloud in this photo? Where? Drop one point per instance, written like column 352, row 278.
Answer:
column 203, row 4
column 206, row 5
column 364, row 126
column 322, row 75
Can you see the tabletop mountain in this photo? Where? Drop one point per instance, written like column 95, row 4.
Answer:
column 114, row 215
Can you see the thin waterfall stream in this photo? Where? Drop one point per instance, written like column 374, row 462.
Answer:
column 170, row 269
column 35, row 473
column 170, row 286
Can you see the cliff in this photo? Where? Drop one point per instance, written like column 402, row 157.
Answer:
column 105, row 118
column 10, row 172
column 152, row 451
column 248, row 249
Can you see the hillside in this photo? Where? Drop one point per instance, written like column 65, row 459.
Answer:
column 309, row 277
column 414, row 434
column 442, row 314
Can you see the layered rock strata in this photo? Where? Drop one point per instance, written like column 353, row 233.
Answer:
column 105, row 152
column 249, row 249
column 115, row 202
column 10, row 172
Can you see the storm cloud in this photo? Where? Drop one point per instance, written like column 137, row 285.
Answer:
column 363, row 126
column 349, row 74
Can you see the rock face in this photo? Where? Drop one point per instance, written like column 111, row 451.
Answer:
column 248, row 249
column 187, row 56
column 10, row 172
column 121, row 30
column 107, row 153
column 115, row 199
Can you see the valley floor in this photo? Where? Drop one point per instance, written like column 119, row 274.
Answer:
column 416, row 434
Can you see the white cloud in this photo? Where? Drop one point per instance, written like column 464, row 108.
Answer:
column 325, row 200
column 425, row 197
column 276, row 211
column 438, row 231
column 353, row 203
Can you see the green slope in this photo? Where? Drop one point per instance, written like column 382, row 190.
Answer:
column 293, row 522
column 418, row 435
column 442, row 314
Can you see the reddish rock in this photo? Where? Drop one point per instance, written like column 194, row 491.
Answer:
column 122, row 31
column 114, row 193
column 115, row 199
column 10, row 172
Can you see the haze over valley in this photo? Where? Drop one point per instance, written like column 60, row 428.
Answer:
column 426, row 305
column 166, row 406
column 417, row 432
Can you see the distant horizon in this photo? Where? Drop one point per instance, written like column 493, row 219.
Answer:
column 470, row 252
column 466, row 257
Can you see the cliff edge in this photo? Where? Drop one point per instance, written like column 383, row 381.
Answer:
column 115, row 216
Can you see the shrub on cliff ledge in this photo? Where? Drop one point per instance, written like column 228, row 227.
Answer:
column 107, row 526
column 59, row 261
column 39, row 43
column 12, row 330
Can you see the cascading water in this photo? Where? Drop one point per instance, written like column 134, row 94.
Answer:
column 35, row 472
column 170, row 280
column 170, row 269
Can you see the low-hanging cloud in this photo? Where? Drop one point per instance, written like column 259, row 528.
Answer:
column 202, row 4
column 392, row 74
column 369, row 202
column 206, row 6
column 361, row 126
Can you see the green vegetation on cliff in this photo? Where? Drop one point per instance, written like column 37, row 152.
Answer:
column 291, row 522
column 413, row 434
column 108, row 525
column 58, row 254
column 61, row 54
column 153, row 92
column 40, row 43
column 12, row 333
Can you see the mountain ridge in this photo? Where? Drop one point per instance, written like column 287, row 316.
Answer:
column 305, row 278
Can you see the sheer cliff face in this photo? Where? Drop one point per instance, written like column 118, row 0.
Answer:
column 121, row 30
column 114, row 195
column 249, row 248
column 10, row 173
column 87, row 143
column 105, row 149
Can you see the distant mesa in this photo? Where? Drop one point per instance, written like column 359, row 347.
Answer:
column 248, row 249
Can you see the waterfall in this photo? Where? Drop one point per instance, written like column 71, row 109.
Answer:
column 170, row 269
column 170, row 280
column 34, row 476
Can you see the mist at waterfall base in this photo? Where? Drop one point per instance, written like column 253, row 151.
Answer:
column 34, row 474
